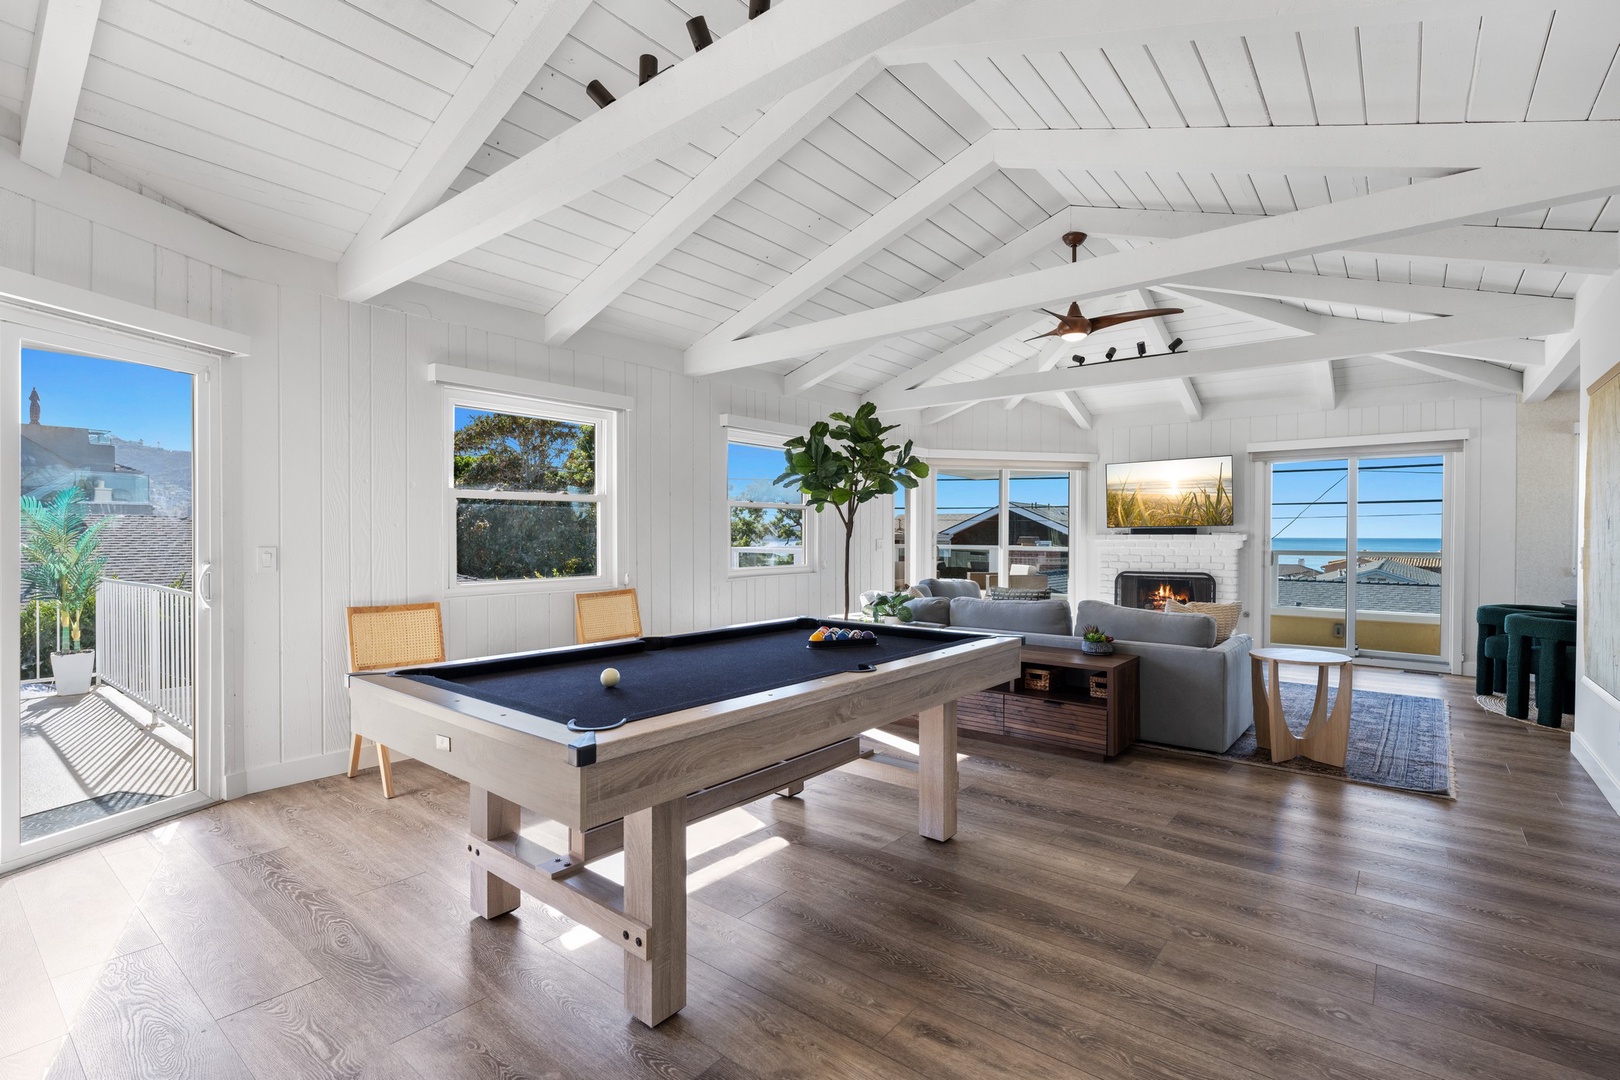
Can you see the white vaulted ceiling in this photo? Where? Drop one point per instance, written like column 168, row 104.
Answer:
column 848, row 174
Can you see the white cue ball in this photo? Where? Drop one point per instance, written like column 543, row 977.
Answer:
column 610, row 676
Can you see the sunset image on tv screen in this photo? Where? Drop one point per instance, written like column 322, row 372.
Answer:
column 1170, row 494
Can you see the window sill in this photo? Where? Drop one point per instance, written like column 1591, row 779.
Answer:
column 527, row 585
column 770, row 571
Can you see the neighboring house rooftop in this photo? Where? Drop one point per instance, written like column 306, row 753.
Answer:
column 1370, row 596
column 146, row 548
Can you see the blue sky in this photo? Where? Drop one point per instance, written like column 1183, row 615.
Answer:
column 958, row 494
column 1397, row 498
column 132, row 401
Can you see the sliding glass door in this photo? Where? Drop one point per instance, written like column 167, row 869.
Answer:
column 106, row 717
column 1357, row 558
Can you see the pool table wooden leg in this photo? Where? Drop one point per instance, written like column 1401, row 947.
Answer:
column 491, row 816
column 936, row 772
column 655, row 893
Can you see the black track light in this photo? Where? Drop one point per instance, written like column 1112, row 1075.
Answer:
column 649, row 67
column 1078, row 359
column 1109, row 355
column 697, row 28
column 599, row 94
column 1176, row 344
column 756, row 8
column 1141, row 348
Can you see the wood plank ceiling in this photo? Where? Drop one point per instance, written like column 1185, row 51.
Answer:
column 287, row 121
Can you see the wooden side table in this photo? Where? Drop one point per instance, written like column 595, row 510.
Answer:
column 1065, row 698
column 1327, row 736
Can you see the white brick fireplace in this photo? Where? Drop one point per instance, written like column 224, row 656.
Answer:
column 1215, row 554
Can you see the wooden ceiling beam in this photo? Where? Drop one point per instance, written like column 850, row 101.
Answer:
column 1590, row 168
column 761, row 61
column 61, row 52
column 1185, row 395
column 1326, row 389
column 1514, row 317
column 528, row 36
column 1353, row 292
column 1543, row 382
column 783, row 126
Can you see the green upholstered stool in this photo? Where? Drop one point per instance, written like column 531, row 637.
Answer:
column 1540, row 642
column 1490, row 646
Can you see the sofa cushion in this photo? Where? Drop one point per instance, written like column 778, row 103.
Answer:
column 1141, row 624
column 1226, row 615
column 1018, row 616
column 999, row 593
column 931, row 609
column 950, row 587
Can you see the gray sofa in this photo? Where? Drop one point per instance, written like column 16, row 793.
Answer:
column 1194, row 693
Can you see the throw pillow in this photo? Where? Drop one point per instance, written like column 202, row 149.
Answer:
column 999, row 593
column 1226, row 615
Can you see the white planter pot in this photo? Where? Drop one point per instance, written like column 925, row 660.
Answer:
column 73, row 671
column 892, row 619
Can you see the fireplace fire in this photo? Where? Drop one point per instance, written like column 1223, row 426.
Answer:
column 1153, row 590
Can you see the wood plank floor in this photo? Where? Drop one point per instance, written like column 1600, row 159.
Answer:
column 1156, row 916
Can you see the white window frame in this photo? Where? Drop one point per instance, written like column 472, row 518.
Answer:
column 770, row 440
column 606, row 497
column 925, row 528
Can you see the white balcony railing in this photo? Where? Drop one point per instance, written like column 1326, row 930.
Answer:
column 144, row 646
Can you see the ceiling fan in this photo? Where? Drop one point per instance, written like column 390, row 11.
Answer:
column 1074, row 326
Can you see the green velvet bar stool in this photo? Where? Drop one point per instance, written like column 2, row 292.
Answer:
column 1490, row 645
column 1540, row 642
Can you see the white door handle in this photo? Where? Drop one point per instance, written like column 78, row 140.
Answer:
column 205, row 583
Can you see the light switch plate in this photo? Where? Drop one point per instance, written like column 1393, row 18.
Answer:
column 267, row 559
column 441, row 742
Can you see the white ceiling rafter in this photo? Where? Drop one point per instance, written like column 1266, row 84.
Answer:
column 1590, row 169
column 511, row 60
column 913, row 205
column 1354, row 292
column 1070, row 403
column 1517, row 352
column 1514, row 317
column 761, row 60
column 1567, row 250
column 1045, row 360
column 1185, row 395
column 1326, row 389
column 784, row 124
column 998, row 263
column 1543, row 382
column 61, row 51
column 1480, row 373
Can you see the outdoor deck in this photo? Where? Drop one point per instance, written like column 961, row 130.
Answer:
column 90, row 755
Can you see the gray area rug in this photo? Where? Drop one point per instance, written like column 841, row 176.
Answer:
column 1396, row 741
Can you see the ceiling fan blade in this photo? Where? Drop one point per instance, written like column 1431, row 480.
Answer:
column 1054, row 314
column 1100, row 322
column 1049, row 333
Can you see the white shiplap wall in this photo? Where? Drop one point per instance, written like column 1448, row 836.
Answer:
column 1489, row 547
column 332, row 438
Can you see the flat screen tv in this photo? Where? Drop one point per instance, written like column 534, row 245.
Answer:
column 1180, row 494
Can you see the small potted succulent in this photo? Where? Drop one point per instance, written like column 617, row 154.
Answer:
column 1094, row 642
column 891, row 607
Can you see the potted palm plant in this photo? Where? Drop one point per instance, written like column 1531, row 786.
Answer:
column 60, row 563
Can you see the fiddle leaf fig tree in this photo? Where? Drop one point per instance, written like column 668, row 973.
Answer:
column 847, row 462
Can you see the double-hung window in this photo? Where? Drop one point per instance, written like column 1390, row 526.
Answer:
column 767, row 522
column 529, row 487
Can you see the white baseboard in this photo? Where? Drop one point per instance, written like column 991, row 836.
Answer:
column 1606, row 781
column 283, row 773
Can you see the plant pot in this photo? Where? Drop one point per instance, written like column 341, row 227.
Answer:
column 73, row 671
column 1096, row 648
column 894, row 619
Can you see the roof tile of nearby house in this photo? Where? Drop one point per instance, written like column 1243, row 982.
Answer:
column 1411, row 599
column 146, row 548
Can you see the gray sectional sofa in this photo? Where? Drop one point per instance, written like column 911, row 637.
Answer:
column 1194, row 693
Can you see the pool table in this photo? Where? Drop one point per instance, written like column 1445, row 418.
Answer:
column 698, row 724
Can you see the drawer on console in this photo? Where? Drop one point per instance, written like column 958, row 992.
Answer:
column 1082, row 726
